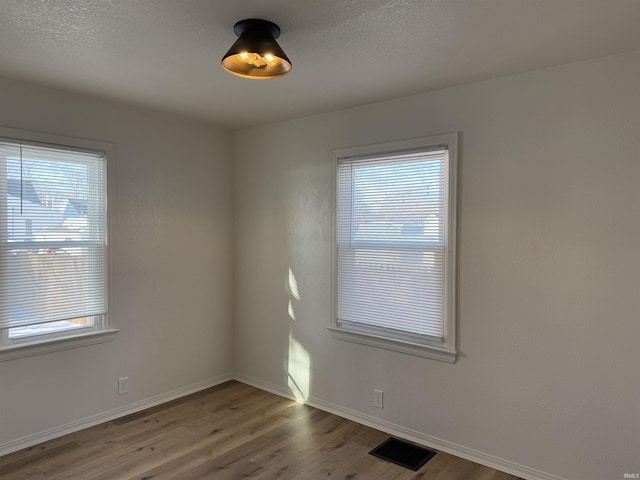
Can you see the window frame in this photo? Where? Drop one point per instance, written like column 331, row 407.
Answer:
column 104, row 328
column 446, row 350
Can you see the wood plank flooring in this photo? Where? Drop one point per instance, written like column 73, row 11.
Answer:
column 232, row 431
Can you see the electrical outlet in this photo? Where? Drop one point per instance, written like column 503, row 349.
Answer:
column 123, row 385
column 377, row 398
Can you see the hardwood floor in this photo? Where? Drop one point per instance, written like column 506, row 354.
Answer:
column 231, row 431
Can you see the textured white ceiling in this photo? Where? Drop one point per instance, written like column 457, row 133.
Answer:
column 166, row 53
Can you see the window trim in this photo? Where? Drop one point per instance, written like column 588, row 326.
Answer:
column 81, row 337
column 361, row 334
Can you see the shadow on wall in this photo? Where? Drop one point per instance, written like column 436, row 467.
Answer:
column 298, row 362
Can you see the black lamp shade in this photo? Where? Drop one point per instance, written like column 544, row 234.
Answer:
column 256, row 54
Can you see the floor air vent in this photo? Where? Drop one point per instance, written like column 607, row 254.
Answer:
column 403, row 453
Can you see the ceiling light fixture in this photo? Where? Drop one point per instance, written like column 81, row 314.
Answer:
column 256, row 54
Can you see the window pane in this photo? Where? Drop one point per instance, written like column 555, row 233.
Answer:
column 398, row 202
column 47, row 200
column 50, row 327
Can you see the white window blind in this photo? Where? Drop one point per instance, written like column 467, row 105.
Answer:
column 52, row 234
column 393, row 251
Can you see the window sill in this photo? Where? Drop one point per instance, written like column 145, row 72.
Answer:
column 425, row 351
column 54, row 345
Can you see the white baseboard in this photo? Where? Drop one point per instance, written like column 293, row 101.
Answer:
column 461, row 451
column 128, row 409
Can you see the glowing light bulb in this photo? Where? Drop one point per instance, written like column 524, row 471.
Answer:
column 258, row 61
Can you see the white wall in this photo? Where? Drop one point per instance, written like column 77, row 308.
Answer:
column 549, row 268
column 173, row 264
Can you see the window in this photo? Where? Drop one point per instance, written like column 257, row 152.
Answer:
column 395, row 228
column 53, row 243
